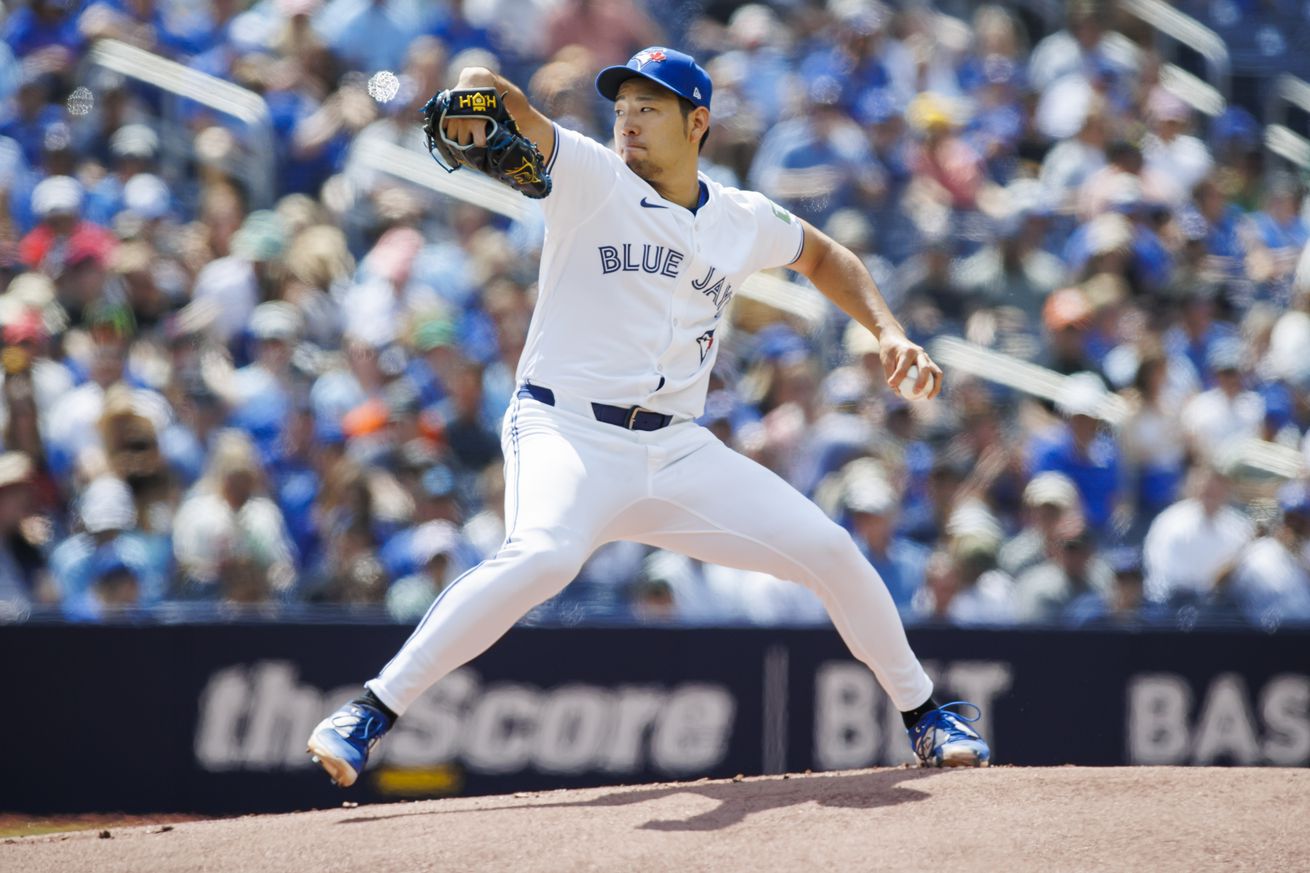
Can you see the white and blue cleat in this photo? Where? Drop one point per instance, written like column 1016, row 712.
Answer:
column 945, row 739
column 341, row 742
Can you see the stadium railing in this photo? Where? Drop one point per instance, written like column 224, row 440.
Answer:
column 1255, row 457
column 1287, row 94
column 256, row 164
column 1185, row 32
column 1209, row 95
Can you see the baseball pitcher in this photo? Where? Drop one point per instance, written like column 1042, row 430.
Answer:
column 642, row 256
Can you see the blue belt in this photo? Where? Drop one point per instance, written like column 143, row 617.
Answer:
column 629, row 418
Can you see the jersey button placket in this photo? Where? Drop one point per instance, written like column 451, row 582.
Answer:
column 675, row 298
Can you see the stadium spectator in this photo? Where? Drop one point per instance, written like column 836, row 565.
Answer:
column 841, row 430
column 1067, row 317
column 1078, row 49
column 1014, row 270
column 261, row 392
column 31, row 114
column 1271, row 584
column 1169, row 151
column 930, row 288
column 1193, row 545
column 370, row 35
column 63, row 242
column 1081, row 450
column 857, row 50
column 1050, row 591
column 947, row 170
column 1125, row 605
column 71, row 429
column 871, row 505
column 1275, row 236
column 129, row 428
column 1154, row 448
column 1215, row 420
column 962, row 587
column 234, row 285
column 133, row 149
column 924, row 518
column 1047, row 499
column 228, row 537
column 32, row 381
column 610, row 30
column 109, row 545
column 1219, row 230
column 819, row 161
column 1068, row 166
column 23, row 578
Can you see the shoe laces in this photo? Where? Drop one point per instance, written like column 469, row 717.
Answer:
column 943, row 720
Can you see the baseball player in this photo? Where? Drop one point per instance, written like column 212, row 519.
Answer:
column 642, row 255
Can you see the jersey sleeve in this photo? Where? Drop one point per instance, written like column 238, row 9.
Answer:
column 583, row 174
column 779, row 235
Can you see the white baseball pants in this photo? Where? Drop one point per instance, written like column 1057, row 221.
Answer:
column 573, row 484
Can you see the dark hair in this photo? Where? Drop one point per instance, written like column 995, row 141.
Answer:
column 687, row 108
column 1124, row 154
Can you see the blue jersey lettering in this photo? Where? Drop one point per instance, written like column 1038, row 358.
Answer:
column 654, row 260
column 609, row 259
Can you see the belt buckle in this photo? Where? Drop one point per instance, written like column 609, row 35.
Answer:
column 631, row 423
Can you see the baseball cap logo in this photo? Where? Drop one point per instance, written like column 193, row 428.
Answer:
column 642, row 58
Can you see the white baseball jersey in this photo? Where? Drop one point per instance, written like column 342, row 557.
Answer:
column 633, row 286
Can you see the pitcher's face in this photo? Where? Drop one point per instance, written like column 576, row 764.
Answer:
column 650, row 132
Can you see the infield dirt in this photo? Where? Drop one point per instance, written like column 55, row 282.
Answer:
column 1007, row 819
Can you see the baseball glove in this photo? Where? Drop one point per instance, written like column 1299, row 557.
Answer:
column 508, row 156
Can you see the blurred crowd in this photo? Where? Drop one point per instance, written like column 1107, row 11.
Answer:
column 219, row 398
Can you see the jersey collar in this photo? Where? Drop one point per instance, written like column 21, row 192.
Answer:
column 705, row 195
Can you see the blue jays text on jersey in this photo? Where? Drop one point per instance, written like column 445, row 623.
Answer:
column 654, row 259
column 720, row 291
column 664, row 261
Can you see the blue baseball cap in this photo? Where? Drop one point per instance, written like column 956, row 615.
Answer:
column 668, row 67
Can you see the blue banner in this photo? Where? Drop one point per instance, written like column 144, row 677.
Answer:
column 213, row 718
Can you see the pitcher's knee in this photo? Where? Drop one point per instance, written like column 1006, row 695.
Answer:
column 831, row 545
column 549, row 561
column 831, row 556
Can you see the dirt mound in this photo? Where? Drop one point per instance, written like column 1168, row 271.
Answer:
column 1003, row 819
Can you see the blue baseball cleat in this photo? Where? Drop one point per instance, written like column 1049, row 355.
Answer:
column 341, row 742
column 944, row 739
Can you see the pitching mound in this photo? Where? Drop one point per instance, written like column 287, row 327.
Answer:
column 1004, row 819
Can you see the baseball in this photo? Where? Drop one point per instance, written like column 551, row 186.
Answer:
column 906, row 386
column 383, row 86
column 81, row 101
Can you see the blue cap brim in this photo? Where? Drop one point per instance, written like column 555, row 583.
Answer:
column 609, row 79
